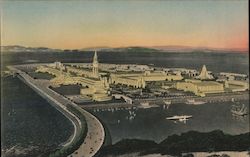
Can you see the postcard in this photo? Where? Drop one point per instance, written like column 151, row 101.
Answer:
column 124, row 78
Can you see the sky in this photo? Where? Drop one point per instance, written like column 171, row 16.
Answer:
column 81, row 23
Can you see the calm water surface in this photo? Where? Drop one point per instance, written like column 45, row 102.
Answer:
column 152, row 123
column 28, row 119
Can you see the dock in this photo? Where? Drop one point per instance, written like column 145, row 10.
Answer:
column 174, row 100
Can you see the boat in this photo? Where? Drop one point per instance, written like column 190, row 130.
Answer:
column 239, row 111
column 167, row 102
column 131, row 115
column 232, row 100
column 193, row 102
column 145, row 105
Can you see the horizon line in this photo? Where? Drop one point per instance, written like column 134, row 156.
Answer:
column 152, row 46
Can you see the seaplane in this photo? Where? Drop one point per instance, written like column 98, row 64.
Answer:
column 182, row 118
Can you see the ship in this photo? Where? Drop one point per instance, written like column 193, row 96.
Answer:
column 193, row 102
column 146, row 105
column 239, row 111
column 167, row 102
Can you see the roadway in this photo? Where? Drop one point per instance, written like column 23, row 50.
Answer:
column 95, row 131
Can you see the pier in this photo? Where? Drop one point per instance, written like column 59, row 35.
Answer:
column 174, row 100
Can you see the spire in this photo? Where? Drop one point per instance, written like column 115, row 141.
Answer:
column 95, row 66
column 95, row 59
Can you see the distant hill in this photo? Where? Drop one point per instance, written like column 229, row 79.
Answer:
column 191, row 141
column 17, row 48
column 139, row 49
column 99, row 48
column 132, row 49
column 170, row 48
column 177, row 48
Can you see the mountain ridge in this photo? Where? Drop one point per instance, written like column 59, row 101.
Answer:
column 168, row 48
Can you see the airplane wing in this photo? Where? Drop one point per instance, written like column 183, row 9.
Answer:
column 172, row 118
column 187, row 117
column 179, row 117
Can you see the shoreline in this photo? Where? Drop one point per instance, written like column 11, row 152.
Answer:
column 60, row 102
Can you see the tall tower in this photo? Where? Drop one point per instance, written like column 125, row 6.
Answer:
column 95, row 66
column 204, row 74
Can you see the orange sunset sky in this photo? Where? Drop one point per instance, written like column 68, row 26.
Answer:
column 80, row 24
